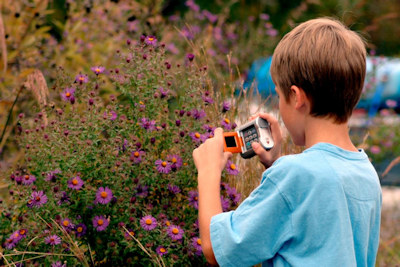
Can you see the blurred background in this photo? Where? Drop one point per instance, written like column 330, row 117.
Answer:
column 39, row 39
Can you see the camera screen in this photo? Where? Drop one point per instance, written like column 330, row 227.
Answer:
column 230, row 141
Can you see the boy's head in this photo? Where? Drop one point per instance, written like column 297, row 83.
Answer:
column 326, row 60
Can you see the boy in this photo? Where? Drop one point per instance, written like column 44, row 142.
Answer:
column 317, row 208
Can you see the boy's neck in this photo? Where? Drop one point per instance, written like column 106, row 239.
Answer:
column 323, row 130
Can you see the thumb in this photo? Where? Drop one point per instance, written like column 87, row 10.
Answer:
column 259, row 150
column 227, row 155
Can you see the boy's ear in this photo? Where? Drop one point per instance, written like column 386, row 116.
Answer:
column 299, row 97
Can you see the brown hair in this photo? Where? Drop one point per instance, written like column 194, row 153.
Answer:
column 325, row 59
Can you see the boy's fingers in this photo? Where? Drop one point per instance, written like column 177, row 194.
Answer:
column 259, row 150
column 275, row 128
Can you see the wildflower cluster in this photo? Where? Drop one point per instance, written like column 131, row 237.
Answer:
column 94, row 168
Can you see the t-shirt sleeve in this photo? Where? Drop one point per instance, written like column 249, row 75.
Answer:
column 255, row 231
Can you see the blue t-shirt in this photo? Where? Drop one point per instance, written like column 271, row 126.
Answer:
column 317, row 208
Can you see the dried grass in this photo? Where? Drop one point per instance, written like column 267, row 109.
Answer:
column 38, row 85
column 3, row 47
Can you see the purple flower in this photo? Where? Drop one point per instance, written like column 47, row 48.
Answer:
column 100, row 223
column 81, row 78
column 53, row 240
column 22, row 233
column 10, row 243
column 75, row 183
column 174, row 189
column 80, row 230
column 207, row 99
column 175, row 232
column 148, row 222
column 148, row 124
column 375, row 149
column 226, row 124
column 198, row 114
column 37, row 199
column 67, row 224
column 112, row 115
column 51, row 176
column 176, row 161
column 190, row 57
column 142, row 190
column 163, row 92
column 196, row 137
column 161, row 250
column 196, row 243
column 136, row 156
column 64, row 198
column 225, row 203
column 211, row 17
column 151, row 40
column 103, row 195
column 98, row 69
column 28, row 179
column 58, row 264
column 16, row 236
column 264, row 16
column 163, row 166
column 231, row 168
column 233, row 195
column 226, row 105
column 68, row 93
column 193, row 199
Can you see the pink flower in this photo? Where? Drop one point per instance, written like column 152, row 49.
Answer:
column 103, row 195
column 148, row 222
column 231, row 168
column 75, row 183
column 375, row 150
column 163, row 166
column 53, row 240
column 98, row 69
column 100, row 223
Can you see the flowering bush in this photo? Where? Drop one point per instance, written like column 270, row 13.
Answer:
column 113, row 182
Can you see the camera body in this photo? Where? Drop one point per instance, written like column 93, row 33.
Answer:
column 257, row 130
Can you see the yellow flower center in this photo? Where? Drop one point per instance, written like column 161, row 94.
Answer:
column 132, row 233
column 151, row 39
column 198, row 241
column 100, row 222
column 26, row 177
column 68, row 94
column 164, row 164
column 74, row 181
column 97, row 70
column 174, row 160
column 197, row 135
column 16, row 235
column 227, row 121
column 22, row 232
column 233, row 166
column 51, row 239
column 65, row 223
column 79, row 229
column 136, row 154
column 81, row 78
column 167, row 223
column 37, row 198
column 162, row 250
column 148, row 221
column 141, row 103
column 103, row 194
column 175, row 231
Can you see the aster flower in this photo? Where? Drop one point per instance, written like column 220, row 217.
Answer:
column 64, row 198
column 211, row 17
column 176, row 161
column 175, row 232
column 80, row 229
column 10, row 243
column 22, row 232
column 226, row 105
column 37, row 199
column 198, row 114
column 68, row 94
column 375, row 149
column 193, row 197
column 225, row 203
column 98, row 69
column 51, row 176
column 16, row 236
column 163, row 92
column 174, row 189
column 196, row 243
column 226, row 124
column 163, row 166
column 195, row 137
column 58, row 264
column 190, row 57
column 136, row 156
column 148, row 222
column 112, row 115
column 100, row 223
column 233, row 195
column 231, row 168
column 151, row 40
column 207, row 98
column 67, row 224
column 81, row 78
column 128, row 234
column 142, row 190
column 161, row 250
column 103, row 195
column 52, row 240
column 148, row 124
column 28, row 179
column 75, row 183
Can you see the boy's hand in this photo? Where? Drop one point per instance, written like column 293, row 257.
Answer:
column 210, row 156
column 267, row 158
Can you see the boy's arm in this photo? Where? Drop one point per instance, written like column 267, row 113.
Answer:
column 210, row 160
